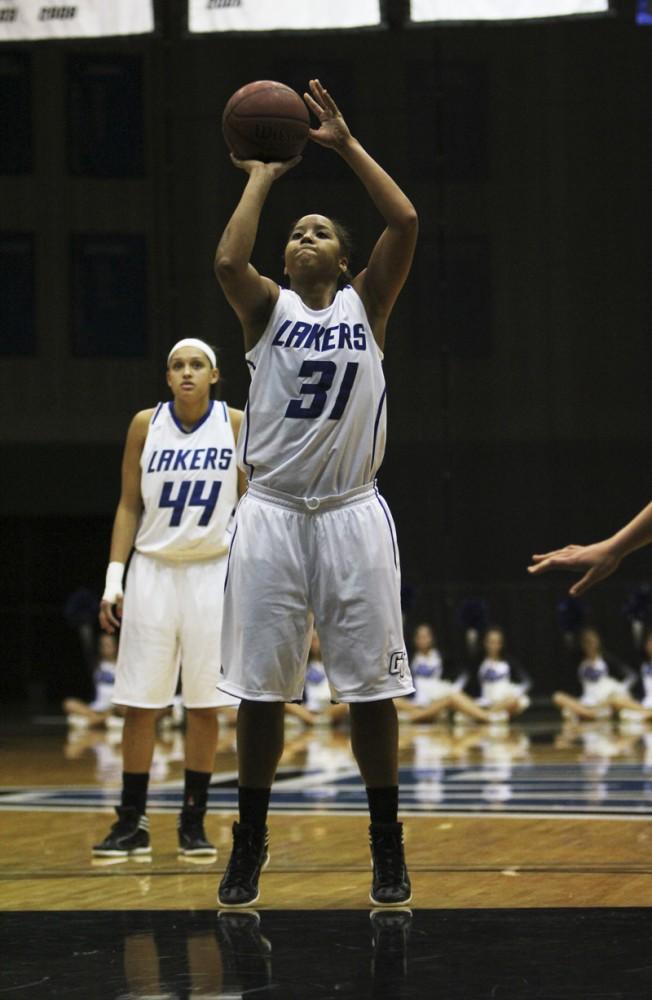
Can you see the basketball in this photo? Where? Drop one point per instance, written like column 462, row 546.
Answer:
column 265, row 120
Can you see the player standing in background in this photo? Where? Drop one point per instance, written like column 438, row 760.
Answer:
column 179, row 490
column 313, row 537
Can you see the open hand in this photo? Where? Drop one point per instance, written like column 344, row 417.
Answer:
column 272, row 170
column 595, row 561
column 333, row 132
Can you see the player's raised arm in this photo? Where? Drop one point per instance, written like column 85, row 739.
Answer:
column 381, row 281
column 251, row 295
column 125, row 524
column 600, row 559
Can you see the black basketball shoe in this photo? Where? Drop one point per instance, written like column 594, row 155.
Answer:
column 239, row 885
column 193, row 841
column 391, row 882
column 128, row 836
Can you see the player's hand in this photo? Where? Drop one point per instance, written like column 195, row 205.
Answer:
column 333, row 132
column 595, row 561
column 272, row 170
column 110, row 620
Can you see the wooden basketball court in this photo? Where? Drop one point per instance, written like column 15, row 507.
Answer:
column 516, row 820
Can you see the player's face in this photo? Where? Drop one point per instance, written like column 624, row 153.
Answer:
column 493, row 644
column 190, row 374
column 313, row 250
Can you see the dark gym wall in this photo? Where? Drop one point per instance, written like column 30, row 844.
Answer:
column 518, row 359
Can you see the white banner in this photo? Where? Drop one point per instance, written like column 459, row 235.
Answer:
column 22, row 20
column 277, row 15
column 501, row 10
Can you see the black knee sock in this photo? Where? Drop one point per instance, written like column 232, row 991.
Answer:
column 253, row 804
column 134, row 790
column 383, row 804
column 195, row 791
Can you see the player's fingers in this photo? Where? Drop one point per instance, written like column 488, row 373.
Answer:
column 316, row 109
column 326, row 98
column 587, row 581
column 104, row 624
column 315, row 90
column 545, row 563
column 107, row 621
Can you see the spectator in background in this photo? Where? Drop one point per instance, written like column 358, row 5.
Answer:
column 500, row 697
column 500, row 692
column 602, row 693
column 432, row 692
column 100, row 711
column 632, row 710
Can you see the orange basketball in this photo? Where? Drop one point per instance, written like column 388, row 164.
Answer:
column 265, row 120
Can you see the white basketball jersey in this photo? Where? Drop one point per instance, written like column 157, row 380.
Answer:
column 315, row 419
column 188, row 485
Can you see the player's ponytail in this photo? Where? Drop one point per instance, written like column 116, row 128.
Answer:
column 345, row 238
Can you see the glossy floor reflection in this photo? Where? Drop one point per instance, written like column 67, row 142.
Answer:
column 328, row 955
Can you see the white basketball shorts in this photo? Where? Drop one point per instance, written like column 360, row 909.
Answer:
column 171, row 622
column 334, row 560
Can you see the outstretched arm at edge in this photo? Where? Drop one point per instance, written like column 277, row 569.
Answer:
column 600, row 559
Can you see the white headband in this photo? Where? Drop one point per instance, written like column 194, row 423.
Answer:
column 199, row 344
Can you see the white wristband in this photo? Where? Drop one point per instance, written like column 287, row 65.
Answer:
column 113, row 583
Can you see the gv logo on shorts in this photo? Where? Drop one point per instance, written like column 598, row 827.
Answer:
column 398, row 664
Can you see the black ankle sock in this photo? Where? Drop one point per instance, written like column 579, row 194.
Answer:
column 195, row 791
column 383, row 804
column 134, row 790
column 253, row 804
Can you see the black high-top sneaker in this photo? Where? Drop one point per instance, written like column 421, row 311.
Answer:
column 239, row 885
column 391, row 882
column 128, row 836
column 193, row 841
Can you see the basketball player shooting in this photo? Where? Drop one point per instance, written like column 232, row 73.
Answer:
column 313, row 537
column 601, row 559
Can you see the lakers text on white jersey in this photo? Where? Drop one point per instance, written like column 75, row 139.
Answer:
column 315, row 422
column 188, row 485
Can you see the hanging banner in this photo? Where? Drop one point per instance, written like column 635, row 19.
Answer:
column 501, row 10
column 281, row 15
column 24, row 20
column 644, row 12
